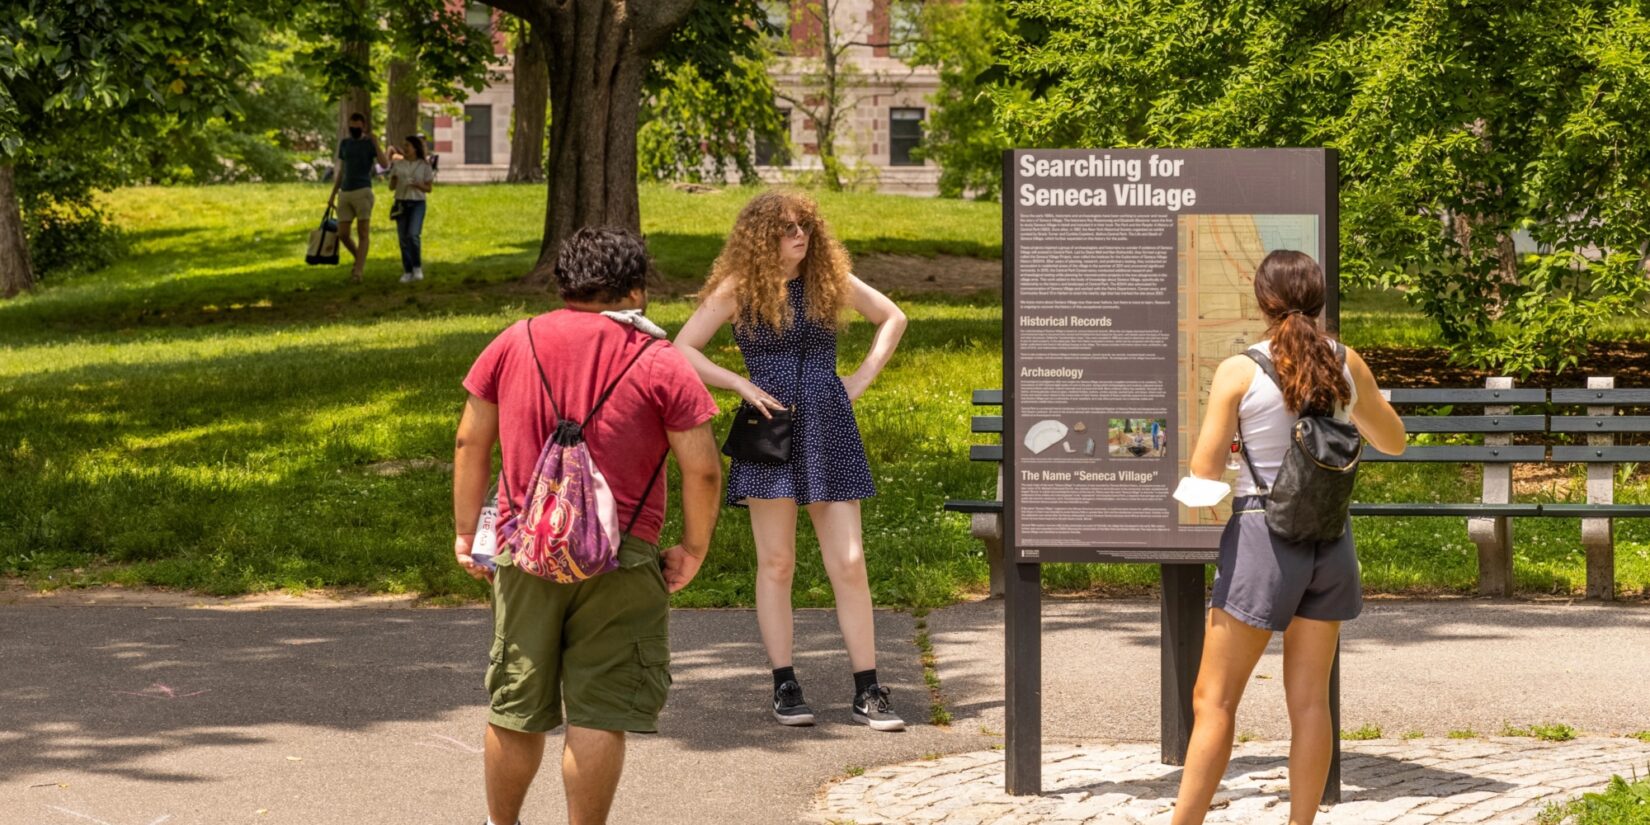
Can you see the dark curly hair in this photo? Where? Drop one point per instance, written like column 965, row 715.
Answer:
column 601, row 265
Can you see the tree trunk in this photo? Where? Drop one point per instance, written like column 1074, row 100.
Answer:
column 356, row 100
column 825, row 126
column 532, row 103
column 599, row 54
column 402, row 118
column 15, row 273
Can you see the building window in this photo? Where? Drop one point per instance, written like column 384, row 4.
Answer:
column 775, row 153
column 778, row 13
column 904, row 134
column 426, row 126
column 480, row 17
column 904, row 28
column 478, row 135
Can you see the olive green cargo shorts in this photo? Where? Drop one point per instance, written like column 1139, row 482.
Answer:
column 601, row 647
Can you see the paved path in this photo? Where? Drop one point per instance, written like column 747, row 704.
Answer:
column 303, row 716
column 1498, row 781
column 281, row 712
column 1406, row 665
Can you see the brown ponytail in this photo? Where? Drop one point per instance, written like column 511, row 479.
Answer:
column 1289, row 286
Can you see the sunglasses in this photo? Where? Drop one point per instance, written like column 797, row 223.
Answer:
column 792, row 229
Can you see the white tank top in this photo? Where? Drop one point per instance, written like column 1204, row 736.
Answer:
column 1267, row 423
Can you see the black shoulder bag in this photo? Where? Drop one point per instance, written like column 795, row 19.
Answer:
column 1310, row 498
column 765, row 440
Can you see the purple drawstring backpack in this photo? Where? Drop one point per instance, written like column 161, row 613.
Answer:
column 567, row 528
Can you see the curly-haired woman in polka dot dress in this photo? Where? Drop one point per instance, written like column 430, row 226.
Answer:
column 783, row 283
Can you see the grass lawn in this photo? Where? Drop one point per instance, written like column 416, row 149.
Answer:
column 211, row 414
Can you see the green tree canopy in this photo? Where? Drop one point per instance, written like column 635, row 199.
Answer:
column 708, row 94
column 80, row 79
column 1460, row 124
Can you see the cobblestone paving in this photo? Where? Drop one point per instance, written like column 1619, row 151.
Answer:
column 1494, row 781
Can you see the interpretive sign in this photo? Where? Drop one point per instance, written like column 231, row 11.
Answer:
column 1128, row 277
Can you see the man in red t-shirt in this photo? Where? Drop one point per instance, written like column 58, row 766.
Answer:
column 599, row 647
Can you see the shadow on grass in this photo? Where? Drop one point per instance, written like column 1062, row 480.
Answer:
column 237, row 470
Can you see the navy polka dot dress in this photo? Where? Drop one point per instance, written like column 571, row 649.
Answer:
column 827, row 456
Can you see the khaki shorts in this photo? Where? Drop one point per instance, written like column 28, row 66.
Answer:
column 356, row 204
column 600, row 647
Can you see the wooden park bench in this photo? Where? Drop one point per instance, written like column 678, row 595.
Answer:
column 1536, row 434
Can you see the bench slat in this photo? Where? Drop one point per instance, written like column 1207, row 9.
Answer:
column 1581, row 454
column 1532, row 395
column 985, row 452
column 966, row 506
column 1455, row 510
column 1601, row 397
column 988, row 423
column 988, row 398
column 1601, row 424
column 1445, row 509
column 1465, row 453
column 1475, row 423
column 1594, row 510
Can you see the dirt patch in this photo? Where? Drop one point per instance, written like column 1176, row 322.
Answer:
column 1627, row 361
column 914, row 274
column 402, row 466
column 16, row 593
column 895, row 274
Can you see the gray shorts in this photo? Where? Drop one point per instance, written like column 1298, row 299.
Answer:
column 1265, row 581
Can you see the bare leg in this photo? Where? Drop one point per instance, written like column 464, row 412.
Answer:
column 512, row 761
column 362, row 245
column 344, row 238
column 591, row 763
column 1230, row 651
column 837, row 524
column 773, row 521
column 1308, row 657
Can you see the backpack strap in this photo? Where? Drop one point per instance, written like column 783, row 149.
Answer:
column 549, row 393
column 532, row 347
column 615, row 385
column 1265, row 364
column 642, row 502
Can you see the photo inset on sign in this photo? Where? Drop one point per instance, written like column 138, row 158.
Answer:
column 1045, row 434
column 1137, row 437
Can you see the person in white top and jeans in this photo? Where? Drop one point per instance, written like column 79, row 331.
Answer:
column 1265, row 583
column 412, row 177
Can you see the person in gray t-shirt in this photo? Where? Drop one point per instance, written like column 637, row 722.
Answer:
column 357, row 154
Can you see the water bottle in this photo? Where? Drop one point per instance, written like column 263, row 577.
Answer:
column 485, row 545
column 1231, row 456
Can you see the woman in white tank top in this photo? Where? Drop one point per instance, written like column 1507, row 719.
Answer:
column 1265, row 584
column 1266, row 423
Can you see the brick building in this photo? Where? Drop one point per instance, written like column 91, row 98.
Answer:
column 888, row 98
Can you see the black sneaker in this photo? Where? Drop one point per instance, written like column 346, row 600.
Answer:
column 871, row 708
column 788, row 706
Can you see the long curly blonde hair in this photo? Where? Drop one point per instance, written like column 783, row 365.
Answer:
column 750, row 260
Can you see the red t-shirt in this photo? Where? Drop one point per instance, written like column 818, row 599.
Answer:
column 582, row 352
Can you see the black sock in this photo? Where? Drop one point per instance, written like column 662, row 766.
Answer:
column 864, row 679
column 781, row 675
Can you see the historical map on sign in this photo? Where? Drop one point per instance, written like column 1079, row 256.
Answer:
column 1219, row 318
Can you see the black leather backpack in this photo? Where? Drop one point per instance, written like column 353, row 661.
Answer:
column 1310, row 498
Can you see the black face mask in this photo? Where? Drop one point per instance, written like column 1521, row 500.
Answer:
column 355, row 132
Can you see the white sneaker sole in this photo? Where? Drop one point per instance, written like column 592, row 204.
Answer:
column 895, row 724
column 800, row 720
